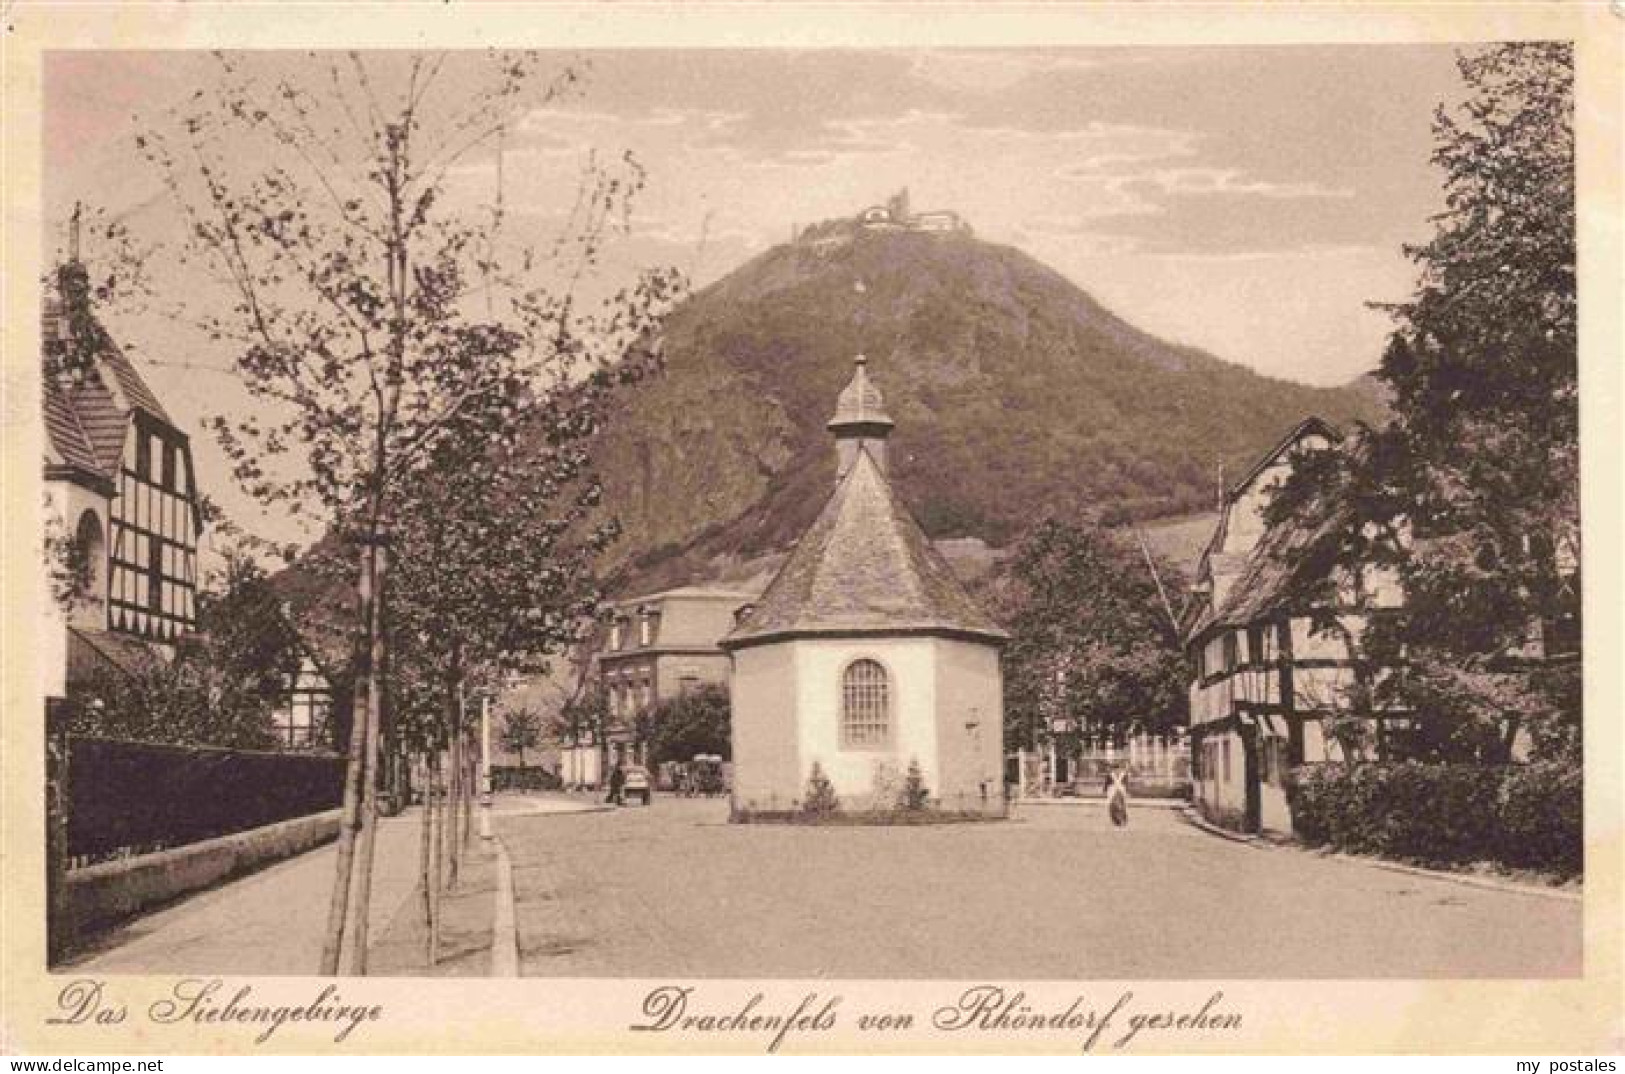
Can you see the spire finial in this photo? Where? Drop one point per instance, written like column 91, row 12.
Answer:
column 73, row 233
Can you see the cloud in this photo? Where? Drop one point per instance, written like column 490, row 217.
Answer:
column 1199, row 181
column 1308, row 251
column 991, row 70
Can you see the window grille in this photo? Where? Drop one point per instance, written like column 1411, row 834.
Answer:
column 865, row 705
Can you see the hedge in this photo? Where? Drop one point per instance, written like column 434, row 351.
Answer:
column 1525, row 816
column 529, row 778
column 127, row 798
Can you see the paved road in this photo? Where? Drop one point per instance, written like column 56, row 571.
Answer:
column 674, row 891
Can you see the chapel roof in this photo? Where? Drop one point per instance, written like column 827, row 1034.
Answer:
column 860, row 402
column 863, row 567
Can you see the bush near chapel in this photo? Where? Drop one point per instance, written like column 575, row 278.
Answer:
column 1523, row 816
column 820, row 799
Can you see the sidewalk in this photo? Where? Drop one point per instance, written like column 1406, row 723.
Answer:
column 272, row 922
column 268, row 923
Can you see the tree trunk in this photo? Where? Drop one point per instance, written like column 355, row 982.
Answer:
column 448, row 841
column 426, row 849
column 470, row 775
column 350, row 818
column 360, row 909
column 437, row 814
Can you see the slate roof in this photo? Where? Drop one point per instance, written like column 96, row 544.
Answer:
column 860, row 402
column 86, row 416
column 1265, row 579
column 69, row 442
column 1272, row 577
column 863, row 567
column 92, row 653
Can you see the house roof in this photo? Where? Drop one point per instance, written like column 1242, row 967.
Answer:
column 67, row 440
column 1272, row 576
column 1308, row 426
column 92, row 653
column 86, row 415
column 688, row 592
column 863, row 567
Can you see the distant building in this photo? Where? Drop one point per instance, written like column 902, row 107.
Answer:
column 655, row 647
column 121, row 495
column 895, row 215
column 303, row 720
column 865, row 653
column 1263, row 679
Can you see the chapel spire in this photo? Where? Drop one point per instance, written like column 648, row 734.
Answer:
column 860, row 421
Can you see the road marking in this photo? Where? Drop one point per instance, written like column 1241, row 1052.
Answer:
column 504, row 935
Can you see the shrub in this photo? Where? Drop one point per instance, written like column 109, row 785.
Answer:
column 1542, row 811
column 1518, row 815
column 914, row 795
column 885, row 786
column 820, row 798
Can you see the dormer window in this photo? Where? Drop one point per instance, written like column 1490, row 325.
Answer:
column 646, row 627
column 617, row 634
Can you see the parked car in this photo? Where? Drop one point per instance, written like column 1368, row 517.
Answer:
column 637, row 785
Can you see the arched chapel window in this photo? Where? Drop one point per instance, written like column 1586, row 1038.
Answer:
column 865, row 705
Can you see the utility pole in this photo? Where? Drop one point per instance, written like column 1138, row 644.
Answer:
column 1167, row 605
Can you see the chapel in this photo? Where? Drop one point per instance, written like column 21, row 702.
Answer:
column 865, row 654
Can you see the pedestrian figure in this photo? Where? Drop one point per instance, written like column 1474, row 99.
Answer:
column 617, row 781
column 1117, row 798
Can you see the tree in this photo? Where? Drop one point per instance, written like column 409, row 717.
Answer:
column 914, row 795
column 376, row 316
column 1470, row 493
column 819, row 798
column 521, row 731
column 1091, row 637
column 692, row 723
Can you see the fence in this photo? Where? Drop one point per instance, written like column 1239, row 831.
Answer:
column 1154, row 765
column 127, row 798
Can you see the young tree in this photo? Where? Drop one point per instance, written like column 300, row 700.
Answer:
column 1470, row 493
column 374, row 310
column 1091, row 638
column 521, row 731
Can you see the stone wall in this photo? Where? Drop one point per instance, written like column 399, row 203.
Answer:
column 98, row 896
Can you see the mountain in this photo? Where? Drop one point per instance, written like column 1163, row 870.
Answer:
column 1015, row 395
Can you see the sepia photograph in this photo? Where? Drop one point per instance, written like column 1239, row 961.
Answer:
column 674, row 516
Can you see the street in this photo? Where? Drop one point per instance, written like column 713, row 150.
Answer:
column 676, row 891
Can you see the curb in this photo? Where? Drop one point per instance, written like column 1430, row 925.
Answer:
column 1506, row 887
column 537, row 811
column 504, row 932
column 1196, row 820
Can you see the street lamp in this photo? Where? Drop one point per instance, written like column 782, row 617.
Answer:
column 509, row 681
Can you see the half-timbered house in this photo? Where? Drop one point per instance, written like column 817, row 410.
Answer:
column 120, row 489
column 1269, row 667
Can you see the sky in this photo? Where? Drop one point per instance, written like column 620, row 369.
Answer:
column 1249, row 201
